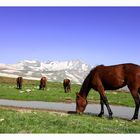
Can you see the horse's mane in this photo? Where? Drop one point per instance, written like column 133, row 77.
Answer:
column 100, row 65
column 94, row 68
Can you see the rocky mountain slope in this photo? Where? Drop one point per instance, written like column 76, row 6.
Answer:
column 54, row 70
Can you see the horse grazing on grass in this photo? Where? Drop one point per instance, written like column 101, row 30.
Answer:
column 103, row 78
column 43, row 83
column 67, row 85
column 19, row 81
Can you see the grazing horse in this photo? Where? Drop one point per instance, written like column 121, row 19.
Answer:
column 19, row 81
column 103, row 78
column 43, row 83
column 67, row 85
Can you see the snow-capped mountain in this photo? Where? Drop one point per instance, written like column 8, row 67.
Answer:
column 54, row 70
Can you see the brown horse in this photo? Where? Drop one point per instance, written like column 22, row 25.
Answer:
column 19, row 81
column 103, row 78
column 43, row 83
column 67, row 85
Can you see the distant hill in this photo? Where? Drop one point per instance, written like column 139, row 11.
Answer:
column 75, row 70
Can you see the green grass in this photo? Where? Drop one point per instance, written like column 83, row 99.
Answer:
column 55, row 93
column 12, row 121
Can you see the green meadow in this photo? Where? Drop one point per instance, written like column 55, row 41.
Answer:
column 55, row 93
column 35, row 121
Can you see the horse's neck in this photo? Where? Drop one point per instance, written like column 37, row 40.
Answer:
column 85, row 87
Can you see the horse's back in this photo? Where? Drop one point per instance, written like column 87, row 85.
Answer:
column 19, row 79
column 132, row 68
column 43, row 80
column 108, row 71
column 132, row 75
column 116, row 76
column 120, row 69
column 66, row 81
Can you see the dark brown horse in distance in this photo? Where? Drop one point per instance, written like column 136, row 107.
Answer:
column 19, row 81
column 103, row 78
column 67, row 85
column 43, row 83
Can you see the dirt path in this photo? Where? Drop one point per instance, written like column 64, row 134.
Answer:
column 118, row 111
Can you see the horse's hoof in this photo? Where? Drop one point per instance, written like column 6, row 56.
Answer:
column 134, row 118
column 110, row 118
column 100, row 115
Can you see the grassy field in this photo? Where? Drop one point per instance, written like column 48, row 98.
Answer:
column 55, row 93
column 32, row 121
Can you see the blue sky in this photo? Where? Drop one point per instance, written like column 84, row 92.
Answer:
column 95, row 35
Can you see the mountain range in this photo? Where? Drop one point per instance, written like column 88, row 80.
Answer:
column 56, row 71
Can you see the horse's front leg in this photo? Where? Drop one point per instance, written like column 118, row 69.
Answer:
column 108, row 107
column 104, row 98
column 102, row 107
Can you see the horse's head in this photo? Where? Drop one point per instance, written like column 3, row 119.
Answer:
column 81, row 103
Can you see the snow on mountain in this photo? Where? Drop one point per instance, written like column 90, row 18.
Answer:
column 75, row 70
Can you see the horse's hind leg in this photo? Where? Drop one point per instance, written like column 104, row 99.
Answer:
column 20, row 86
column 102, row 107
column 40, row 87
column 136, row 98
column 17, row 85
